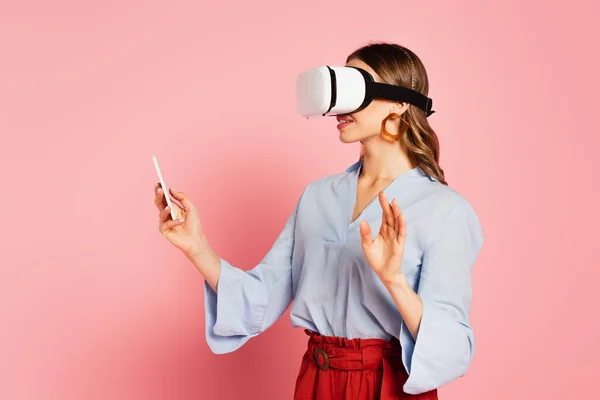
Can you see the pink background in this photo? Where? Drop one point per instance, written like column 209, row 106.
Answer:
column 95, row 304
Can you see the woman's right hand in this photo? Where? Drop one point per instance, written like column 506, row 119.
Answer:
column 185, row 232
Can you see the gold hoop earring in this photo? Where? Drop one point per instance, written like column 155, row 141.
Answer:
column 403, row 127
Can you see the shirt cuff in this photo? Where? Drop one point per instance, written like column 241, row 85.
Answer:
column 230, row 322
column 441, row 353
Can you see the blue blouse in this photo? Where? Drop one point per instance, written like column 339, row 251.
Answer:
column 318, row 263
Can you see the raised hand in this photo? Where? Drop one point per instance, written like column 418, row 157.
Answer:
column 384, row 253
column 185, row 232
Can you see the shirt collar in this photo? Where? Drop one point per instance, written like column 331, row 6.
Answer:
column 354, row 166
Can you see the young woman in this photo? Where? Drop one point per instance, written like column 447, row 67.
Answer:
column 386, row 311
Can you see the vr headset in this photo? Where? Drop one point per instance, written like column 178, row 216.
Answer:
column 335, row 90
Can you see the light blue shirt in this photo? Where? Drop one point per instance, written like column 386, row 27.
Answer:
column 318, row 263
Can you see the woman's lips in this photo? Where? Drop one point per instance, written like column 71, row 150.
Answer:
column 343, row 121
column 343, row 124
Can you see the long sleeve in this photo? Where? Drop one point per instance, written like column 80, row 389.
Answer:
column 248, row 302
column 445, row 344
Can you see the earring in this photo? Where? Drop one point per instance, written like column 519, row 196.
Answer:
column 403, row 127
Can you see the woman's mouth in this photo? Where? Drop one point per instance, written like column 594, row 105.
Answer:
column 343, row 122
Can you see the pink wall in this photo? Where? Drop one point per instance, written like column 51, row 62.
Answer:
column 96, row 305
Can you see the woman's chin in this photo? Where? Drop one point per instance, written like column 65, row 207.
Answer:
column 348, row 137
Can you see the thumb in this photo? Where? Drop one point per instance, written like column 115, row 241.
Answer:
column 365, row 234
column 183, row 199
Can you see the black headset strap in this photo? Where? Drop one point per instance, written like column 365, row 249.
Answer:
column 378, row 90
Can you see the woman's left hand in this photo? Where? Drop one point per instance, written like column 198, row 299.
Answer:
column 384, row 253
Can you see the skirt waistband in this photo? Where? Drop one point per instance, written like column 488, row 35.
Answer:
column 350, row 354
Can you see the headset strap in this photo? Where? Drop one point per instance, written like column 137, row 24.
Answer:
column 398, row 93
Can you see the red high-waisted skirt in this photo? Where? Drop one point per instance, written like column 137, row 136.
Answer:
column 359, row 369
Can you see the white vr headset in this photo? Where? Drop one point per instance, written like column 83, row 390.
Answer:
column 335, row 90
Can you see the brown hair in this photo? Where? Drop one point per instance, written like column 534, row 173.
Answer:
column 398, row 65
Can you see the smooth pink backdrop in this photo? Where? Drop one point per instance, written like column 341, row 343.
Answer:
column 95, row 304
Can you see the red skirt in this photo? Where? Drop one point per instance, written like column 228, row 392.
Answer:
column 359, row 369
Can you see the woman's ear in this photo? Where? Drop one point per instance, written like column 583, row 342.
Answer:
column 399, row 108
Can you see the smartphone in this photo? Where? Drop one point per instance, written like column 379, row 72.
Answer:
column 166, row 192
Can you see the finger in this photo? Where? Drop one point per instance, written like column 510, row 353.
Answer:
column 402, row 229
column 158, row 188
column 161, row 202
column 384, row 227
column 183, row 199
column 166, row 227
column 401, row 223
column 387, row 209
column 164, row 214
column 365, row 234
column 395, row 216
column 159, row 199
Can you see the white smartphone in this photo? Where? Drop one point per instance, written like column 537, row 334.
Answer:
column 166, row 192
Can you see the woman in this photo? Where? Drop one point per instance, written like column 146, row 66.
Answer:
column 387, row 314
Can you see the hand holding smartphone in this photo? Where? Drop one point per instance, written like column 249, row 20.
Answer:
column 165, row 188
